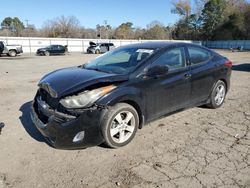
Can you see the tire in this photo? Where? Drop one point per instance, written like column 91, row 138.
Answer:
column 116, row 130
column 12, row 53
column 46, row 53
column 218, row 95
column 97, row 52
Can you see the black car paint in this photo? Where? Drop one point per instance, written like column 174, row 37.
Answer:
column 53, row 49
column 182, row 88
column 70, row 80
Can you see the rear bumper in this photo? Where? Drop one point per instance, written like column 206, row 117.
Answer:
column 19, row 51
column 61, row 129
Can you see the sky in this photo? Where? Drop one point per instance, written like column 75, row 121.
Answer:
column 91, row 12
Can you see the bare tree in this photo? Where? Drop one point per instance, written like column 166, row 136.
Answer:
column 67, row 27
column 182, row 7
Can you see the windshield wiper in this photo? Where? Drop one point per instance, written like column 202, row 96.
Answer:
column 96, row 69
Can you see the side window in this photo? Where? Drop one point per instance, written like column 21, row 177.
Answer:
column 173, row 58
column 198, row 55
column 142, row 56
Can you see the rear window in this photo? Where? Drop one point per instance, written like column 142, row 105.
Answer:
column 198, row 55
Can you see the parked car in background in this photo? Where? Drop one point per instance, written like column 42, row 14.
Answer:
column 97, row 48
column 52, row 50
column 10, row 50
column 110, row 97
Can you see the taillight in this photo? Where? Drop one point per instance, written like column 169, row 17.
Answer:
column 228, row 63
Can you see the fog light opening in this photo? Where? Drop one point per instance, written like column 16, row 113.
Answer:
column 79, row 136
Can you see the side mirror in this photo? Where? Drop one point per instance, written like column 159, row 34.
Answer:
column 158, row 70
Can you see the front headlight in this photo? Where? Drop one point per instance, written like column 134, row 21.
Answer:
column 85, row 98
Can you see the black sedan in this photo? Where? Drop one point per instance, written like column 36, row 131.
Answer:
column 110, row 97
column 52, row 50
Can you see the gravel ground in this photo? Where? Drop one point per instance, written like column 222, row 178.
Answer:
column 198, row 147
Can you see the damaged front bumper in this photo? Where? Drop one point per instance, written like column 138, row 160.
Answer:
column 90, row 50
column 61, row 129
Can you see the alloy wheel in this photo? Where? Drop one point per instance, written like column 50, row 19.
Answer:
column 220, row 94
column 122, row 127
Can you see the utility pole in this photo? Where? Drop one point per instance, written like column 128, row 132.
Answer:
column 106, row 29
column 27, row 26
column 27, row 23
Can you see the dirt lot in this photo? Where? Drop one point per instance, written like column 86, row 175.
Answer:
column 199, row 147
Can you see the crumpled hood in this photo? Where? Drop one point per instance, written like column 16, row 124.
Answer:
column 92, row 43
column 70, row 80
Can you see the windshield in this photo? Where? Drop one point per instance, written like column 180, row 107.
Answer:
column 119, row 61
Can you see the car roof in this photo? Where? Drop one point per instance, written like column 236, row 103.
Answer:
column 155, row 45
column 55, row 45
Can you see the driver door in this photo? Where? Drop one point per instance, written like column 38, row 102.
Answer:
column 103, row 48
column 169, row 92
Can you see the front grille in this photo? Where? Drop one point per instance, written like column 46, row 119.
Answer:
column 40, row 115
column 52, row 102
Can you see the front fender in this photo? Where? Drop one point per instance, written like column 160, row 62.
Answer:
column 131, row 94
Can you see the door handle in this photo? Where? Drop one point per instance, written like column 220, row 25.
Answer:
column 187, row 75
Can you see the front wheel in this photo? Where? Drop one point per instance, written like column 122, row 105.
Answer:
column 218, row 95
column 120, row 125
column 46, row 53
column 12, row 53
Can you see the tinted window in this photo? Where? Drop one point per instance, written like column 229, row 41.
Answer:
column 198, row 55
column 54, row 47
column 61, row 47
column 174, row 58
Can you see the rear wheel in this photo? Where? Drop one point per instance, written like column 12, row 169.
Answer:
column 120, row 125
column 12, row 53
column 218, row 95
column 97, row 51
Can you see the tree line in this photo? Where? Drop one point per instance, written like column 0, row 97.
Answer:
column 212, row 20
column 69, row 27
column 202, row 20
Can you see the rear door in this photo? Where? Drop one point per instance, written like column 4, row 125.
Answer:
column 54, row 49
column 61, row 49
column 111, row 46
column 202, row 70
column 103, row 48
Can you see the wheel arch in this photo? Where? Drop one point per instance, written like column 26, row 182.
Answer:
column 225, row 82
column 137, row 108
column 220, row 79
column 129, row 95
column 12, row 50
